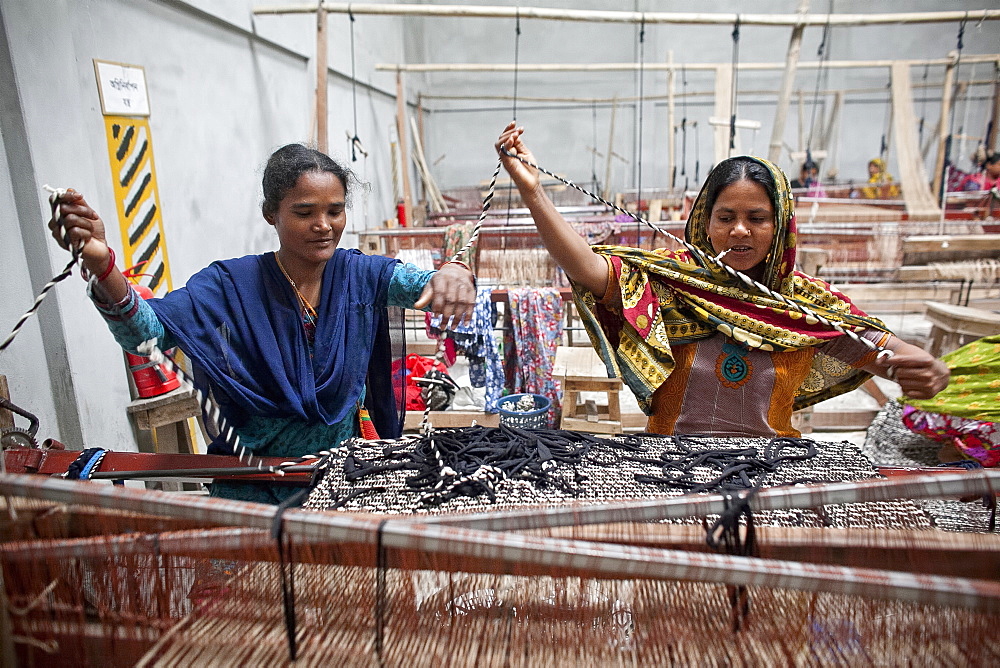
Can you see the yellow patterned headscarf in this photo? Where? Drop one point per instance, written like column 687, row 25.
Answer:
column 672, row 298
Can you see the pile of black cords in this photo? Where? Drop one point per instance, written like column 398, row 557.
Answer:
column 448, row 463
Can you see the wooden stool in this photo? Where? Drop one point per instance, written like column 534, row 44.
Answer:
column 591, row 416
column 954, row 326
column 581, row 370
column 166, row 416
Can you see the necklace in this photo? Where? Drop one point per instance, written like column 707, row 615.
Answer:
column 309, row 316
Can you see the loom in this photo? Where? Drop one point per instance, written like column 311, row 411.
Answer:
column 610, row 568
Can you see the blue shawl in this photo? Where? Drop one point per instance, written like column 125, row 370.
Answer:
column 239, row 321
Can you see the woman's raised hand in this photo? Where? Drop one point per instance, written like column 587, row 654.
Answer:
column 525, row 177
column 76, row 225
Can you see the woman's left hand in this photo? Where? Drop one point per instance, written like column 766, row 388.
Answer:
column 451, row 293
column 920, row 375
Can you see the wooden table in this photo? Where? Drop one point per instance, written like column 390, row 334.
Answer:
column 954, row 326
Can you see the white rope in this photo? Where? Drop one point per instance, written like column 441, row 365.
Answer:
column 56, row 194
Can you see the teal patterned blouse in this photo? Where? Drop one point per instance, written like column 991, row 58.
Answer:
column 134, row 321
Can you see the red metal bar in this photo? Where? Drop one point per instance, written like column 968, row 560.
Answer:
column 56, row 462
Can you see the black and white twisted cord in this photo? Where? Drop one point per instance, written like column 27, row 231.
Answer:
column 425, row 423
column 156, row 356
column 54, row 197
column 743, row 278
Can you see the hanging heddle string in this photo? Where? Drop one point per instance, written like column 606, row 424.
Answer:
column 951, row 122
column 732, row 93
column 883, row 353
column 517, row 44
column 822, row 55
column 356, row 146
column 638, row 187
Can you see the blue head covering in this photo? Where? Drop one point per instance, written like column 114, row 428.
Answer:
column 239, row 321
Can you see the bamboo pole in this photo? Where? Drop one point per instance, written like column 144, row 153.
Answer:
column 698, row 93
column 943, row 129
column 322, row 136
column 602, row 16
column 404, row 157
column 831, row 136
column 692, row 67
column 787, row 83
column 723, row 109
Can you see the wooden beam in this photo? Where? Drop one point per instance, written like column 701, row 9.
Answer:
column 6, row 417
column 723, row 109
column 322, row 135
column 600, row 16
column 692, row 67
column 991, row 138
column 943, row 129
column 404, row 157
column 787, row 83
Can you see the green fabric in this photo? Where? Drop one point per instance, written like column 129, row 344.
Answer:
column 974, row 389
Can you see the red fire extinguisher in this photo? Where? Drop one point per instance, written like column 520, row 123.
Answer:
column 150, row 379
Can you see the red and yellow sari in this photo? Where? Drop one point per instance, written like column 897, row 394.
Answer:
column 671, row 299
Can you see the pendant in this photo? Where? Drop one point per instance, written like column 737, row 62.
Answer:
column 732, row 367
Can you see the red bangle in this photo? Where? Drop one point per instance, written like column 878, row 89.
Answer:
column 459, row 263
column 111, row 265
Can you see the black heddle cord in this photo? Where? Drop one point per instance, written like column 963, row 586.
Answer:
column 638, row 187
column 951, row 122
column 517, row 51
column 822, row 56
column 380, row 592
column 354, row 92
column 287, row 566
column 732, row 93
column 724, row 535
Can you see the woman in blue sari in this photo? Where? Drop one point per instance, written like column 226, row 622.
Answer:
column 292, row 344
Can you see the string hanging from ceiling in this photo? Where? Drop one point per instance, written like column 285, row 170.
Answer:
column 822, row 55
column 638, row 187
column 960, row 43
column 734, row 87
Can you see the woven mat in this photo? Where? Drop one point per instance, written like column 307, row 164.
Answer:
column 890, row 443
column 603, row 477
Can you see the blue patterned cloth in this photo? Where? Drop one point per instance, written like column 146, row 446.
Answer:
column 475, row 340
column 282, row 432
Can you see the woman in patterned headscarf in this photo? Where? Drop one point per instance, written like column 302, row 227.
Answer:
column 701, row 351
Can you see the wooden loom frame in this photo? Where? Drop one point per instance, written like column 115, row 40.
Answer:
column 911, row 178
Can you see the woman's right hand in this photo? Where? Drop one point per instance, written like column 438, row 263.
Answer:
column 74, row 224
column 524, row 177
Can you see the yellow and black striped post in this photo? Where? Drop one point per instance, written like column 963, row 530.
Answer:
column 130, row 150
